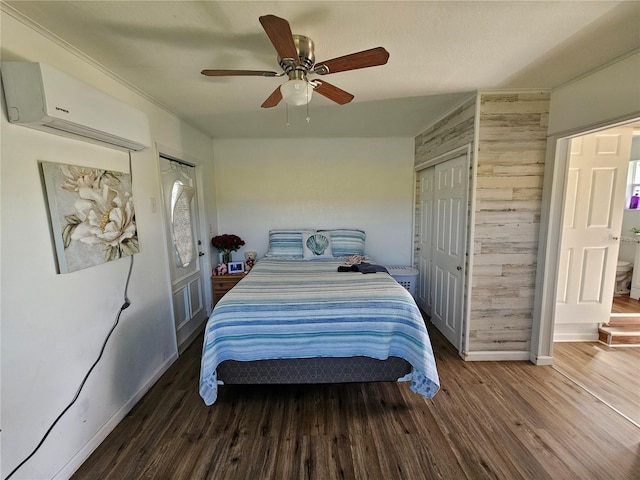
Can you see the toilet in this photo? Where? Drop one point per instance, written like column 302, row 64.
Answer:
column 624, row 273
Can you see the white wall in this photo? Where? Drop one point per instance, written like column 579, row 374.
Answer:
column 607, row 94
column 320, row 183
column 630, row 219
column 53, row 325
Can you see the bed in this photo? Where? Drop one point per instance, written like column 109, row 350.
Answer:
column 299, row 320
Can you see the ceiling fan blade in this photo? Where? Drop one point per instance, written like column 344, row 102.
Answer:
column 239, row 73
column 279, row 32
column 273, row 100
column 367, row 58
column 332, row 92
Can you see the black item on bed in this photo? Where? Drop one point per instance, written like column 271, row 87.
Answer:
column 363, row 268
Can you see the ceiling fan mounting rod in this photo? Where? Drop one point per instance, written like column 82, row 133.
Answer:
column 306, row 56
column 297, row 74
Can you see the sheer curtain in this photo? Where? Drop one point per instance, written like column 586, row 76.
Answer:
column 182, row 227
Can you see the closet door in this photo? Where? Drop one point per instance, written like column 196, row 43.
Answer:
column 424, row 298
column 448, row 227
column 442, row 245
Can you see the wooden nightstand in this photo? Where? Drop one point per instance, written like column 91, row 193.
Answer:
column 221, row 284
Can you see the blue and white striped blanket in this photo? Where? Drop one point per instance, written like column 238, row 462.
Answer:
column 302, row 309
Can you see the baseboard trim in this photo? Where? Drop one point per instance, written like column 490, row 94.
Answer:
column 78, row 459
column 499, row 356
column 575, row 337
column 543, row 360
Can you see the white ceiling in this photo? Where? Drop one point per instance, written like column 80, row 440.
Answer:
column 439, row 51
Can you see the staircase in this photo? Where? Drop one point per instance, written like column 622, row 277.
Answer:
column 621, row 331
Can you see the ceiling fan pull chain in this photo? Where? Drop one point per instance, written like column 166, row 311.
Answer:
column 308, row 117
column 286, row 109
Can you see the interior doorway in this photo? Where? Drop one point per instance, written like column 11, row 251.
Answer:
column 623, row 327
column 592, row 214
column 626, row 300
column 556, row 171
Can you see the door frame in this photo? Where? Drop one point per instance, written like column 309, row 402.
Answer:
column 469, row 222
column 168, row 152
column 556, row 172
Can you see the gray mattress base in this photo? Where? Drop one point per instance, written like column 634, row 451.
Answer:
column 313, row 370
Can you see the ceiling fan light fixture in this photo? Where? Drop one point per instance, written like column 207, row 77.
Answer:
column 296, row 92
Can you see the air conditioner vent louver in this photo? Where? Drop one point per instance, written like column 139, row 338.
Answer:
column 92, row 134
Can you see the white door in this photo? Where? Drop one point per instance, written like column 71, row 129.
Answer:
column 441, row 258
column 592, row 221
column 187, row 280
column 448, row 253
column 426, row 179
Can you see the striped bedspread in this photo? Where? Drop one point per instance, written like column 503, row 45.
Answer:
column 302, row 309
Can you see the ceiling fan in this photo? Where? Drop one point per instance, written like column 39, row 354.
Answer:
column 297, row 59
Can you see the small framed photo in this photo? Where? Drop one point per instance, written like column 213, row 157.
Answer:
column 235, row 267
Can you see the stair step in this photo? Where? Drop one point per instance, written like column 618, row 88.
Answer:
column 625, row 335
column 624, row 319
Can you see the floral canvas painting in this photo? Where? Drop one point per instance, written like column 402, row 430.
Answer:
column 91, row 214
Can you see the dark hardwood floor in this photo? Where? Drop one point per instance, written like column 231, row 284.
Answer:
column 490, row 420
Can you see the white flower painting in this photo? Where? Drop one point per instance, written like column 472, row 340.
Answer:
column 91, row 213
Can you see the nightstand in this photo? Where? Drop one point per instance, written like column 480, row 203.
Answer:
column 221, row 284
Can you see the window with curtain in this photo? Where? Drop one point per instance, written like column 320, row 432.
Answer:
column 181, row 218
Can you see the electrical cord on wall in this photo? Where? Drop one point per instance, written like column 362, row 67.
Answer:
column 124, row 306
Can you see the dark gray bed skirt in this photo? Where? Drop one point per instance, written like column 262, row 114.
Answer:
column 313, row 370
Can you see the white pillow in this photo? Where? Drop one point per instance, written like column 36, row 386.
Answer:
column 316, row 245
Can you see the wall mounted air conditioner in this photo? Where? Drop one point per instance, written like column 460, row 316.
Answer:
column 41, row 97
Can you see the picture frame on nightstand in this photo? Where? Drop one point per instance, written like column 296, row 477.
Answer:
column 235, row 267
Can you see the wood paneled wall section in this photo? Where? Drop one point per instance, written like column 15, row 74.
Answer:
column 455, row 130
column 511, row 154
column 509, row 173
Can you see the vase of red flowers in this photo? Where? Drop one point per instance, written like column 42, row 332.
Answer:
column 225, row 244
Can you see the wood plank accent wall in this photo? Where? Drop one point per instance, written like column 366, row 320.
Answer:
column 511, row 130
column 455, row 130
column 511, row 155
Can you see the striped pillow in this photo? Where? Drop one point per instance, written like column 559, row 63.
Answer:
column 345, row 242
column 286, row 243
